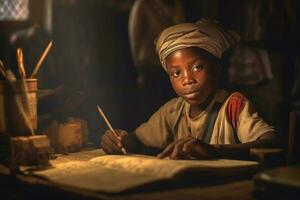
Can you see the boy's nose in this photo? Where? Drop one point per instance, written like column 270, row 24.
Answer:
column 188, row 79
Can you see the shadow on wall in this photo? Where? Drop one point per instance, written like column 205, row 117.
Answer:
column 93, row 56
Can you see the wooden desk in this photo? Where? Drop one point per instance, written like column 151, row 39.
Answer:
column 28, row 187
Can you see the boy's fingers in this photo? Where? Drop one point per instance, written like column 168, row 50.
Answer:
column 167, row 151
column 106, row 148
column 177, row 150
column 110, row 150
column 201, row 150
column 104, row 145
column 186, row 148
column 170, row 150
column 108, row 142
column 121, row 134
column 113, row 138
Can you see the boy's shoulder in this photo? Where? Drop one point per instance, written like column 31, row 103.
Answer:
column 173, row 105
column 236, row 99
column 237, row 95
column 234, row 106
column 223, row 96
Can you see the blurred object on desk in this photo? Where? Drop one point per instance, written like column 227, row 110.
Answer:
column 280, row 183
column 32, row 150
column 69, row 136
column 269, row 157
column 84, row 128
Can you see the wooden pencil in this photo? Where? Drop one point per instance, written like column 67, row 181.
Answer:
column 38, row 65
column 110, row 127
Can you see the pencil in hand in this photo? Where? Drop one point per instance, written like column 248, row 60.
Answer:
column 110, row 127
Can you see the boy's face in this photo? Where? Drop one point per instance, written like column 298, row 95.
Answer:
column 192, row 74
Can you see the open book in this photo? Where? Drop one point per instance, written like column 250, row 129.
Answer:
column 117, row 173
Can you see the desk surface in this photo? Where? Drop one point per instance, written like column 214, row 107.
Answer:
column 32, row 187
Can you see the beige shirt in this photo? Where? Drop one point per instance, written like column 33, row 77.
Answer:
column 172, row 122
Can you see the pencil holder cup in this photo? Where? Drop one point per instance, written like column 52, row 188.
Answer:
column 18, row 109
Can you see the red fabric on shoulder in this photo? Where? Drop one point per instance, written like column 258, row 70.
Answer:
column 234, row 107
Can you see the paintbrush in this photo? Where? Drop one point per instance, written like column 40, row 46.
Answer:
column 110, row 127
column 38, row 65
column 20, row 60
column 2, row 69
column 12, row 80
column 23, row 86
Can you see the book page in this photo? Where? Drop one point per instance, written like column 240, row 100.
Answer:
column 115, row 173
column 78, row 156
column 140, row 164
column 96, row 179
column 163, row 167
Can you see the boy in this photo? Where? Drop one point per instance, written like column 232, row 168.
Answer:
column 203, row 122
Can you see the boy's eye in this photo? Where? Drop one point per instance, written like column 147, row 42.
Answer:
column 175, row 73
column 197, row 68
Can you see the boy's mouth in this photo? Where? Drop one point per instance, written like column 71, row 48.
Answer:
column 191, row 95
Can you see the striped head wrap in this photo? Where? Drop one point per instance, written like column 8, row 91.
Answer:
column 205, row 34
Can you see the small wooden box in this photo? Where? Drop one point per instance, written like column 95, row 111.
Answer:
column 31, row 150
column 70, row 136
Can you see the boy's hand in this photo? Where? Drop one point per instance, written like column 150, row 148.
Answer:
column 112, row 144
column 187, row 148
